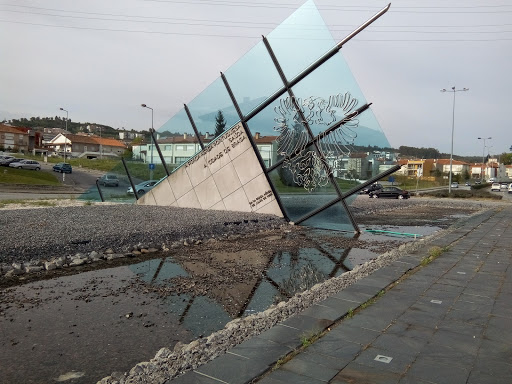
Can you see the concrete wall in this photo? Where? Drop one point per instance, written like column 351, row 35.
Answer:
column 226, row 175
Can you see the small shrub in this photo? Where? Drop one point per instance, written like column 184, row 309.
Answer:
column 433, row 253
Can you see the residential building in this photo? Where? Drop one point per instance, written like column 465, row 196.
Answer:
column 13, row 139
column 420, row 168
column 89, row 146
column 484, row 171
column 129, row 135
column 458, row 167
column 508, row 171
column 176, row 150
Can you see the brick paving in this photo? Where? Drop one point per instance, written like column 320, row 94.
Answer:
column 445, row 322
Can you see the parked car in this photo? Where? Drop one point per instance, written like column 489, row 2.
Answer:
column 143, row 187
column 495, row 187
column 390, row 192
column 504, row 186
column 7, row 160
column 370, row 188
column 6, row 157
column 455, row 185
column 478, row 182
column 510, row 188
column 109, row 181
column 26, row 164
column 63, row 168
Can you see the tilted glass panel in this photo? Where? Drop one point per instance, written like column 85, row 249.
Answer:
column 265, row 130
column 331, row 93
column 300, row 40
column 253, row 78
column 177, row 141
column 334, row 217
column 206, row 106
column 303, row 184
column 336, row 155
column 178, row 124
column 112, row 184
column 144, row 177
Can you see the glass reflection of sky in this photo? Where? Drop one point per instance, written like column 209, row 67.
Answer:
column 297, row 43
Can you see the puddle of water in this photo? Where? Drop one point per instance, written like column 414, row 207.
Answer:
column 86, row 326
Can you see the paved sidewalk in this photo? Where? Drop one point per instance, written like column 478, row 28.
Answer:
column 446, row 322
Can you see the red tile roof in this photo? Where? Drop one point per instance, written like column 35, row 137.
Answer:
column 95, row 140
column 447, row 162
column 8, row 129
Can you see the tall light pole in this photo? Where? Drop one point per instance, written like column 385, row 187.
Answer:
column 151, row 165
column 65, row 138
column 483, row 155
column 453, row 128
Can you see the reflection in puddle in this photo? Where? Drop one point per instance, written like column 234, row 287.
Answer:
column 86, row 326
column 278, row 278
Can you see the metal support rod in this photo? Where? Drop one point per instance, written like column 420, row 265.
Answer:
column 99, row 190
column 194, row 127
column 159, row 152
column 130, row 179
column 306, row 126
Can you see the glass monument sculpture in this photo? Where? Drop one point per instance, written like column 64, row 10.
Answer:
column 300, row 142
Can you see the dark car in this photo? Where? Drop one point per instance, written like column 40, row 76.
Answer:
column 6, row 161
column 391, row 193
column 109, row 181
column 371, row 188
column 63, row 168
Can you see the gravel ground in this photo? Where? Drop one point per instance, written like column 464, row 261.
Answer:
column 38, row 233
column 44, row 232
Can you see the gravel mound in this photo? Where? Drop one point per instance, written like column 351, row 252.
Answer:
column 29, row 234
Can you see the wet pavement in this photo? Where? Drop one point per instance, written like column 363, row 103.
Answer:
column 446, row 321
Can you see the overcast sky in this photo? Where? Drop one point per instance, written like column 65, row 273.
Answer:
column 101, row 59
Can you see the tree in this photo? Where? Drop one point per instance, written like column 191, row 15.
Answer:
column 220, row 123
column 506, row 158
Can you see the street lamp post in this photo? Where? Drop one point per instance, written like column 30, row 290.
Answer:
column 453, row 128
column 151, row 165
column 483, row 155
column 65, row 138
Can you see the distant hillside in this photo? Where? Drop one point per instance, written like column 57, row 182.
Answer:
column 60, row 122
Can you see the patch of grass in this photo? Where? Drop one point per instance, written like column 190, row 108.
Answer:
column 43, row 203
column 24, row 176
column 309, row 338
column 433, row 253
column 350, row 313
column 464, row 194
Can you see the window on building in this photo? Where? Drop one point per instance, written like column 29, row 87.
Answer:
column 180, row 147
column 181, row 159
